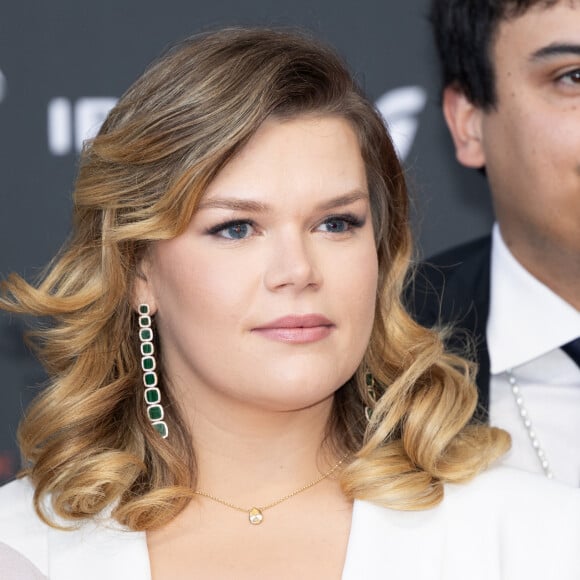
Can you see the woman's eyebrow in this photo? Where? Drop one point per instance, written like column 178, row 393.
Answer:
column 342, row 200
column 235, row 204
column 248, row 205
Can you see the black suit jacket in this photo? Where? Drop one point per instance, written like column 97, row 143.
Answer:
column 453, row 288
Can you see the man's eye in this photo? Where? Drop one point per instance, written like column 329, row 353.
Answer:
column 571, row 78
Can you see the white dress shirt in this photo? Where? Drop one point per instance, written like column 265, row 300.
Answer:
column 527, row 325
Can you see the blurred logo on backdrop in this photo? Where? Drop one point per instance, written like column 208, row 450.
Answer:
column 2, row 86
column 70, row 123
column 400, row 109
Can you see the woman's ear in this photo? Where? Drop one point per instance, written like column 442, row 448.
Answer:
column 464, row 120
column 143, row 292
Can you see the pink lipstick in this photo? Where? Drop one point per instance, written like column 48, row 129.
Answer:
column 297, row 329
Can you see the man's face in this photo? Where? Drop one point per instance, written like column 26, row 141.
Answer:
column 530, row 142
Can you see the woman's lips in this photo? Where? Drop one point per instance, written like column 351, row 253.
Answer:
column 296, row 329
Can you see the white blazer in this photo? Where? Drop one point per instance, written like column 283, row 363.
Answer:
column 505, row 525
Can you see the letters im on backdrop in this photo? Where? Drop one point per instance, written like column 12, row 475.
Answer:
column 71, row 123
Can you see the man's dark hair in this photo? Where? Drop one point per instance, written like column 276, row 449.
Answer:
column 464, row 34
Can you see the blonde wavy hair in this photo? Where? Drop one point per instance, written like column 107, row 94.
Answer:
column 86, row 441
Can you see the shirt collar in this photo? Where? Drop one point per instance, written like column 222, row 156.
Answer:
column 526, row 318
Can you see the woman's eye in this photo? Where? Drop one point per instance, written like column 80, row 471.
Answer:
column 233, row 230
column 340, row 224
column 335, row 225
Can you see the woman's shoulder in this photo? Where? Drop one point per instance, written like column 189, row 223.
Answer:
column 506, row 523
column 91, row 550
column 500, row 488
column 16, row 495
column 17, row 513
column 23, row 535
column 527, row 522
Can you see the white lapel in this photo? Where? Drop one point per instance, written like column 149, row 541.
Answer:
column 387, row 544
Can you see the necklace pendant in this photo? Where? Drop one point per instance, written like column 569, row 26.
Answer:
column 255, row 516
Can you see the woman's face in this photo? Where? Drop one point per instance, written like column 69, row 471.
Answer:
column 267, row 299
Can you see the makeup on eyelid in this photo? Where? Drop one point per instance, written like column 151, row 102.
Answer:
column 350, row 220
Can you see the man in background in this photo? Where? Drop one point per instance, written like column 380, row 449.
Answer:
column 511, row 100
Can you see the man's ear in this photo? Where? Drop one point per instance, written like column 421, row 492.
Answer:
column 142, row 286
column 464, row 120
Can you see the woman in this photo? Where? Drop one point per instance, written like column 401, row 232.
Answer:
column 230, row 363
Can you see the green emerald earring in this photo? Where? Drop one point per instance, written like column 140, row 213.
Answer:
column 148, row 365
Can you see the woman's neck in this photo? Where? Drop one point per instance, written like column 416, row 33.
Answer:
column 252, row 455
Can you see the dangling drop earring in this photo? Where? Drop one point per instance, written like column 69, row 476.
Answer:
column 148, row 365
column 371, row 393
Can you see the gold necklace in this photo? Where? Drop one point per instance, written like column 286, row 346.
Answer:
column 255, row 514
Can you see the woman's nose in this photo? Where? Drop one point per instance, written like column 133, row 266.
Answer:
column 293, row 263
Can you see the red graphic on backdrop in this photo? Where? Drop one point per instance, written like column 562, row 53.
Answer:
column 7, row 465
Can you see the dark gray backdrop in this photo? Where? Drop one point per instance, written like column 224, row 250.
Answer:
column 62, row 63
